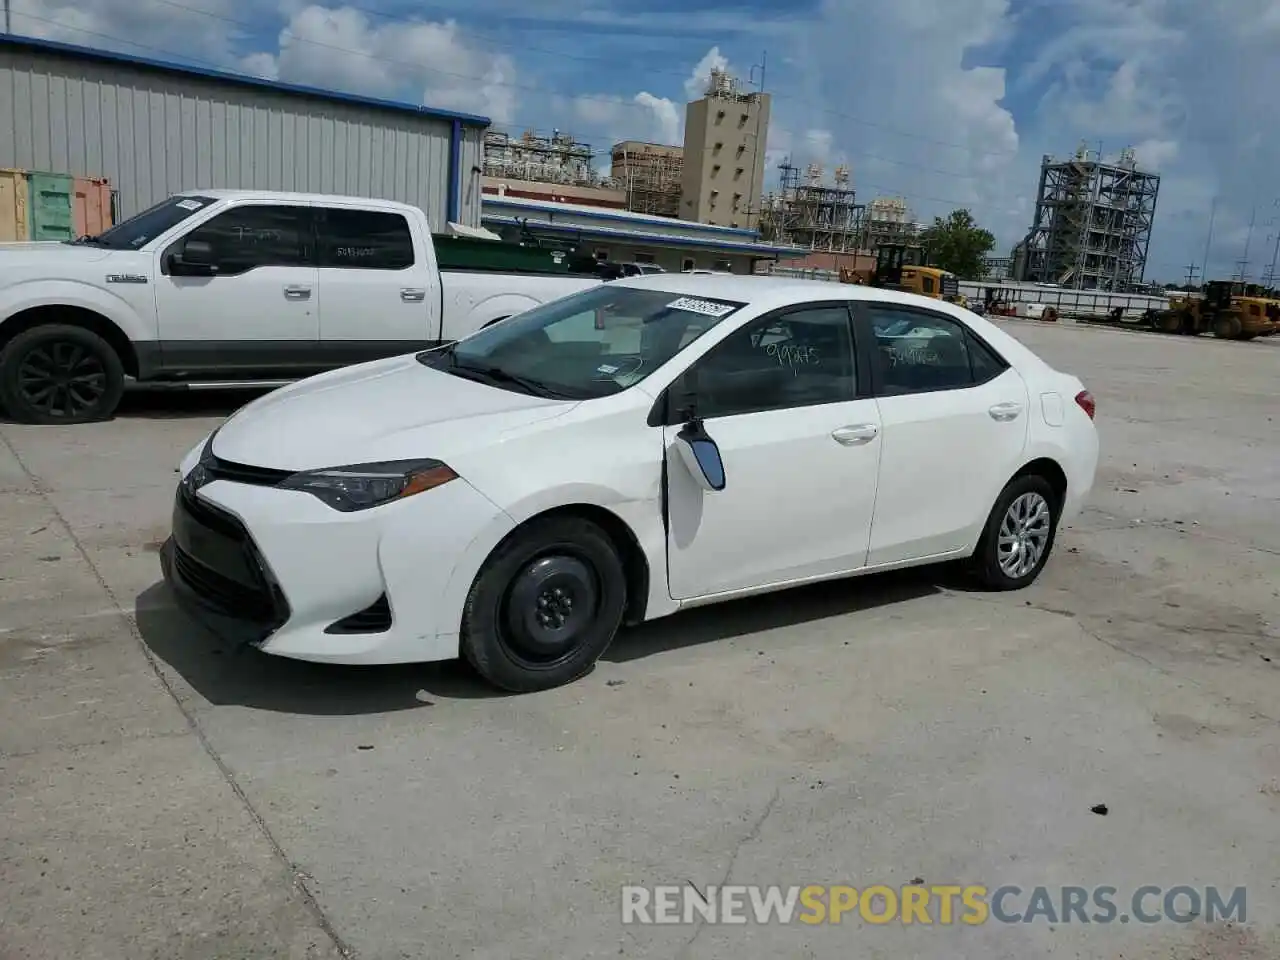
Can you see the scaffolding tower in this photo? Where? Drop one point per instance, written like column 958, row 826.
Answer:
column 812, row 214
column 1092, row 223
column 651, row 174
column 558, row 158
column 889, row 223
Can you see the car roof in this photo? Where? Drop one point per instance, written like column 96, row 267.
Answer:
column 764, row 291
column 285, row 196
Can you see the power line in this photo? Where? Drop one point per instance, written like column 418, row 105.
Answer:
column 619, row 101
column 516, row 86
column 884, row 190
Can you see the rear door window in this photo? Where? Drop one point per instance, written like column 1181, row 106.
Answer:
column 363, row 239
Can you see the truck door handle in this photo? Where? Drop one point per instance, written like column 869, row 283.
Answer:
column 856, row 435
column 1005, row 411
column 412, row 294
column 297, row 293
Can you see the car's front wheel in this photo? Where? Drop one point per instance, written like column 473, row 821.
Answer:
column 1019, row 534
column 545, row 606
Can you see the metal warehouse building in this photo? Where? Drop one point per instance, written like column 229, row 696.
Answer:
column 154, row 129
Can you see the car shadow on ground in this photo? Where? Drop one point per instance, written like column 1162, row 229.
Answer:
column 177, row 404
column 244, row 677
column 181, row 404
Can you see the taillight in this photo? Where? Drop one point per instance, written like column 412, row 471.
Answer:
column 1085, row 399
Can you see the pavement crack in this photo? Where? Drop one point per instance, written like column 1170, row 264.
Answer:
column 299, row 881
column 750, row 836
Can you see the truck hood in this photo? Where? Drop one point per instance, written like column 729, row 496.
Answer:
column 52, row 252
column 395, row 409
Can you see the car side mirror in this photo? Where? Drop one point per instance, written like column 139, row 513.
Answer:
column 701, row 456
column 195, row 259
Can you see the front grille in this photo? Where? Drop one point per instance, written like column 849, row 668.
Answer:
column 229, row 597
column 375, row 618
column 219, row 469
column 232, row 579
column 211, row 517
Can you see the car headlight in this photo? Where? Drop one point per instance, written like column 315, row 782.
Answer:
column 364, row 485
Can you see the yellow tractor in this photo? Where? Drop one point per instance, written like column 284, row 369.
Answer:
column 905, row 267
column 1225, row 308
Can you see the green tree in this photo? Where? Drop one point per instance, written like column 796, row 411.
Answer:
column 958, row 244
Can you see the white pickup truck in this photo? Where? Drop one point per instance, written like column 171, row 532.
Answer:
column 220, row 287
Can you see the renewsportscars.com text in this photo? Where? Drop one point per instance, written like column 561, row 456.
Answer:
column 937, row 904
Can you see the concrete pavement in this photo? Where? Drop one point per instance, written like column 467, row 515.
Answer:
column 163, row 798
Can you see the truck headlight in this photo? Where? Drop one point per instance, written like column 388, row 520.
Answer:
column 364, row 485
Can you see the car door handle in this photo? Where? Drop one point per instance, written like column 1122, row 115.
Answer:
column 1005, row 411
column 412, row 294
column 297, row 293
column 856, row 435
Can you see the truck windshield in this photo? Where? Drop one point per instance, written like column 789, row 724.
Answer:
column 590, row 344
column 150, row 223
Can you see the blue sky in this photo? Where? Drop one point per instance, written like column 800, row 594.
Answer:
column 944, row 103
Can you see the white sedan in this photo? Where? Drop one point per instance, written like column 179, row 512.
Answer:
column 635, row 449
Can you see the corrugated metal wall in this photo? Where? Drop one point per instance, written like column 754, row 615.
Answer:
column 153, row 134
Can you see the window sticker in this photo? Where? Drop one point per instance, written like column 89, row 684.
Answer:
column 189, row 204
column 606, row 368
column 708, row 308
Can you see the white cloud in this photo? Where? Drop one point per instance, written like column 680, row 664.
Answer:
column 696, row 86
column 142, row 28
column 346, row 49
column 918, row 98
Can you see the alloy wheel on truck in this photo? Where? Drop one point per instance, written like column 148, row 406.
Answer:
column 60, row 374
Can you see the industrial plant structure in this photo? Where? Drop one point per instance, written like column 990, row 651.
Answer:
column 813, row 214
column 651, row 175
column 724, row 146
column 1092, row 223
column 558, row 158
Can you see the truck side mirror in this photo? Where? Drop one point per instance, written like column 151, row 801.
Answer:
column 194, row 259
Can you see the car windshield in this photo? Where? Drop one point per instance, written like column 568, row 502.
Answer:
column 590, row 344
column 150, row 223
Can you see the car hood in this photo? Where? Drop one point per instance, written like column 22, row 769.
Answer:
column 51, row 252
column 386, row 410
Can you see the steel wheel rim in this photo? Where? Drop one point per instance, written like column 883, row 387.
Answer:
column 1024, row 535
column 61, row 378
column 549, row 608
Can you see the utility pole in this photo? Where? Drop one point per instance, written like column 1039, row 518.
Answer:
column 1275, row 253
column 1191, row 275
column 8, row 26
column 1208, row 240
column 756, row 150
column 1243, row 262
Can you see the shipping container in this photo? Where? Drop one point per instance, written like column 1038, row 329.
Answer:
column 50, row 211
column 14, row 194
column 92, row 206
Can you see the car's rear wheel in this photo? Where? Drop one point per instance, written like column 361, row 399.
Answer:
column 545, row 606
column 1019, row 534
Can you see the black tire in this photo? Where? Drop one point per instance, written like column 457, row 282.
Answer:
column 85, row 376
column 503, row 634
column 1227, row 327
column 986, row 561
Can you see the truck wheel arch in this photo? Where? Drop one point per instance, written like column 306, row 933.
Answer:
column 91, row 320
column 497, row 308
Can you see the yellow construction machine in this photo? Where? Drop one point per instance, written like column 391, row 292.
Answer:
column 1226, row 308
column 905, row 267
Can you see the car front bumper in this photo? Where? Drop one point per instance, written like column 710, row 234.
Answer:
column 282, row 571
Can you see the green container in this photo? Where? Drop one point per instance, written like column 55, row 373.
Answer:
column 471, row 253
column 50, row 209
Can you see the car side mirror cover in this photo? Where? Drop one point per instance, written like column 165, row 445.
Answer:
column 701, row 456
